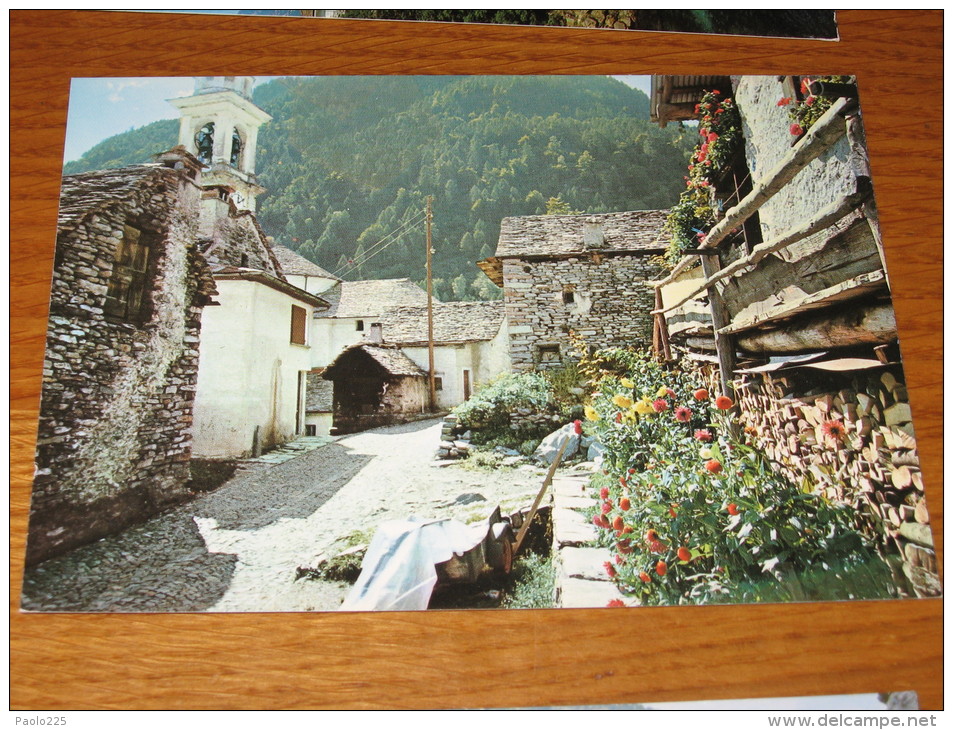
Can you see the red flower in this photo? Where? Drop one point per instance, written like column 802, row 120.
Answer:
column 644, row 577
column 661, row 568
column 712, row 137
column 671, row 511
column 622, row 481
column 624, row 504
column 701, row 394
column 834, row 430
column 626, row 530
column 618, row 524
column 615, row 603
column 796, row 130
column 660, row 405
column 684, row 554
column 600, row 521
column 809, row 101
column 713, row 465
column 698, row 108
column 651, row 535
column 683, row 414
column 610, row 569
column 670, row 393
column 723, row 403
column 805, row 83
column 716, row 92
column 619, row 560
column 703, row 434
column 606, row 507
column 577, row 427
column 631, row 470
column 618, row 417
column 784, row 101
column 732, row 508
column 657, row 547
column 719, row 111
column 624, row 546
column 604, row 493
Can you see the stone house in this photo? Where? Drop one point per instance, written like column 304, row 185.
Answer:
column 128, row 291
column 302, row 273
column 586, row 274
column 470, row 344
column 375, row 384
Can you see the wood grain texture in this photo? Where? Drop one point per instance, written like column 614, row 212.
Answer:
column 475, row 659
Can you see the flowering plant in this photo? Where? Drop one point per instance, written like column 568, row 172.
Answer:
column 689, row 512
column 804, row 112
column 719, row 130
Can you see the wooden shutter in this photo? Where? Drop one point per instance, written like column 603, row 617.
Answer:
column 126, row 292
column 299, row 325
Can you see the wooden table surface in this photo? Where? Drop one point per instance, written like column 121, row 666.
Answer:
column 489, row 658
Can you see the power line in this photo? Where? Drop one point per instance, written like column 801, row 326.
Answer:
column 381, row 245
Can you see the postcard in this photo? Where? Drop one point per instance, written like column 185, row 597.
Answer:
column 440, row 342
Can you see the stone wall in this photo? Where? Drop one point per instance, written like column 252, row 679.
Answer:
column 114, row 440
column 873, row 466
column 610, row 305
column 768, row 139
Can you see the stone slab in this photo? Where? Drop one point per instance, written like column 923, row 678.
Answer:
column 579, row 593
column 571, row 529
column 570, row 486
column 577, row 502
column 587, row 563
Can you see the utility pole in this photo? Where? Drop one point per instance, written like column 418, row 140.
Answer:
column 431, row 377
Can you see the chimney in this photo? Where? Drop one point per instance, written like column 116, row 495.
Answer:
column 376, row 335
column 592, row 234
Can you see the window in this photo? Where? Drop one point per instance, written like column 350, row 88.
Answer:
column 360, row 325
column 204, row 139
column 310, row 429
column 299, row 325
column 437, row 382
column 125, row 293
column 549, row 354
column 237, row 145
column 569, row 296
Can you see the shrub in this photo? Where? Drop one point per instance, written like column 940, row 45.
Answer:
column 487, row 412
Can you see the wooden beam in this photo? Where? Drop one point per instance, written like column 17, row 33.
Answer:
column 724, row 343
column 824, row 219
column 846, row 290
column 874, row 325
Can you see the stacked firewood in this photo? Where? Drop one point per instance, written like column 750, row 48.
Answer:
column 855, row 446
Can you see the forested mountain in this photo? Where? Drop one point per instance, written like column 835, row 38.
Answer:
column 349, row 162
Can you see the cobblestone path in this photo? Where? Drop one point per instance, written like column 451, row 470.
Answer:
column 238, row 549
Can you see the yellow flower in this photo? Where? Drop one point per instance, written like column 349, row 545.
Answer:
column 644, row 407
column 621, row 401
column 662, row 392
column 591, row 413
column 626, row 383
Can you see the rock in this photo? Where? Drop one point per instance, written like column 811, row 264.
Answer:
column 461, row 445
column 547, row 450
column 470, row 498
column 596, row 454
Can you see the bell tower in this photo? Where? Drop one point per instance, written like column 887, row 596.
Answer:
column 219, row 125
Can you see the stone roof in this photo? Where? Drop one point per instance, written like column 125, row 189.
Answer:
column 372, row 297
column 320, row 394
column 295, row 265
column 391, row 358
column 453, row 322
column 562, row 235
column 85, row 194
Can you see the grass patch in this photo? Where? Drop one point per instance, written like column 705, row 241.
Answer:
column 533, row 583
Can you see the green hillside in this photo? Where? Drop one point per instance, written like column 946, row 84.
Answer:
column 349, row 161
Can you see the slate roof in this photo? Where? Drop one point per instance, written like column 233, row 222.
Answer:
column 391, row 358
column 372, row 297
column 89, row 192
column 561, row 235
column 454, row 322
column 296, row 265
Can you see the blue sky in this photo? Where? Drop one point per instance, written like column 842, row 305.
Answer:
column 102, row 107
